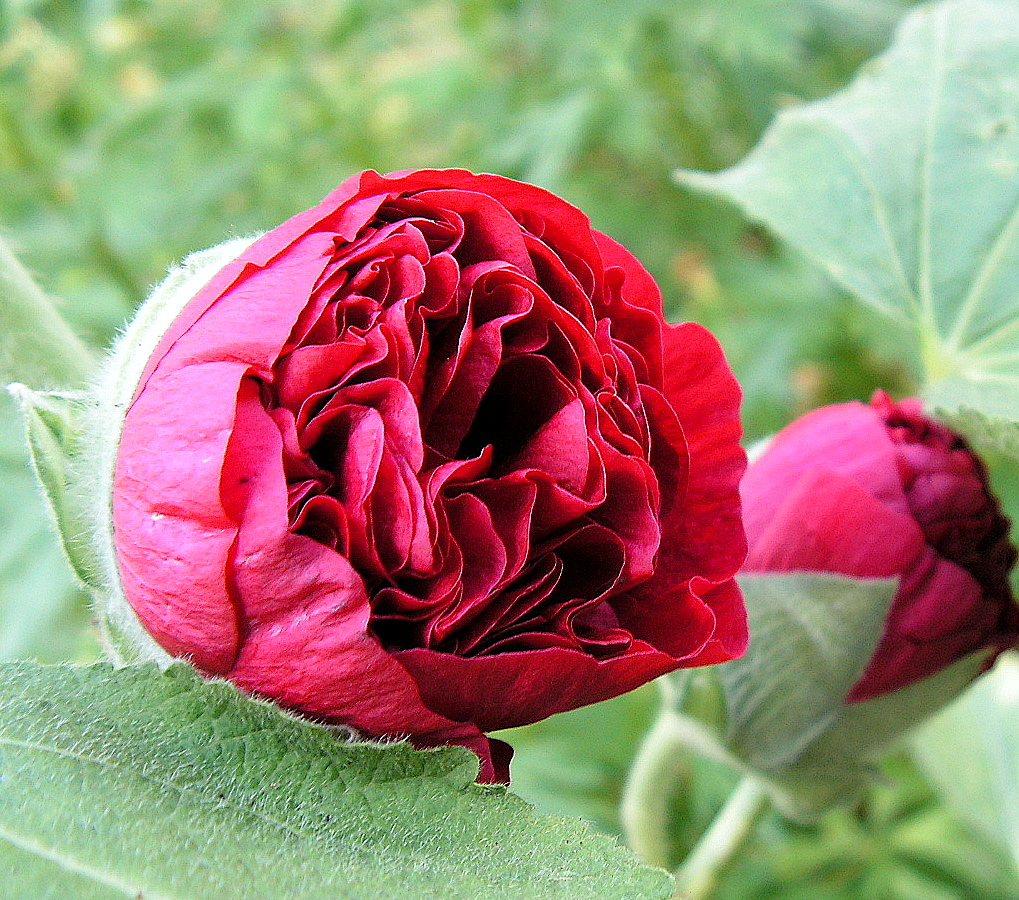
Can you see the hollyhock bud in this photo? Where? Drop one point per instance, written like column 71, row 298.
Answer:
column 426, row 461
column 882, row 490
column 876, row 586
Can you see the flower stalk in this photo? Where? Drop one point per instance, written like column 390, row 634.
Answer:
column 698, row 877
column 659, row 766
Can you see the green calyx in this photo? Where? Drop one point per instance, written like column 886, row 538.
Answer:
column 73, row 438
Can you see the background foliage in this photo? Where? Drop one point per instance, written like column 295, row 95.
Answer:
column 132, row 133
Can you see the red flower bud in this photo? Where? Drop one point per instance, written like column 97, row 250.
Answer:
column 883, row 490
column 426, row 460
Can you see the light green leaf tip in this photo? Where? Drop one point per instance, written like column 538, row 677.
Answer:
column 55, row 428
column 905, row 188
column 138, row 782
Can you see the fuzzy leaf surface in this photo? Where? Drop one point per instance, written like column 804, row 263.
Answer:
column 138, row 782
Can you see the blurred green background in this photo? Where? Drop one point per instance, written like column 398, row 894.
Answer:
column 132, row 133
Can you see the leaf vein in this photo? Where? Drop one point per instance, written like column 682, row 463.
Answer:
column 924, row 239
column 76, row 866
column 988, row 269
column 167, row 784
column 994, row 338
column 854, row 156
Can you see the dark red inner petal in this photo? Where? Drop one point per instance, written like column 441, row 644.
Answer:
column 478, row 450
column 947, row 492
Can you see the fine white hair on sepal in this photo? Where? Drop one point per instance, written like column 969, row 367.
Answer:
column 124, row 638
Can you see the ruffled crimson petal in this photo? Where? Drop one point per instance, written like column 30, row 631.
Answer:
column 509, row 689
column 305, row 608
column 706, row 534
column 636, row 310
column 702, row 530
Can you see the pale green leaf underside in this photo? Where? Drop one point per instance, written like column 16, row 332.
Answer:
column 971, row 754
column 985, row 414
column 811, row 635
column 141, row 783
column 905, row 187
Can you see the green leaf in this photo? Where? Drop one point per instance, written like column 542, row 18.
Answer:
column 54, row 423
column 36, row 344
column 829, row 626
column 42, row 613
column 137, row 782
column 970, row 752
column 903, row 187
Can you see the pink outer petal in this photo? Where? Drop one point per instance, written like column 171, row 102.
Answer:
column 509, row 689
column 166, row 492
column 172, row 533
column 826, row 522
column 847, row 438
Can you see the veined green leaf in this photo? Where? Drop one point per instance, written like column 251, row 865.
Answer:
column 141, row 783
column 905, row 188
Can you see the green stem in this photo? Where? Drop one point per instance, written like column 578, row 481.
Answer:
column 700, row 874
column 644, row 811
column 37, row 346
